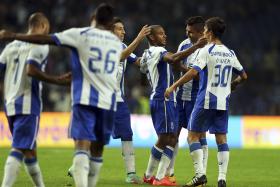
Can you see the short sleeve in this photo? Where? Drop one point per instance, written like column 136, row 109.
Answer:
column 237, row 67
column 162, row 51
column 132, row 58
column 200, row 60
column 37, row 55
column 67, row 37
column 3, row 60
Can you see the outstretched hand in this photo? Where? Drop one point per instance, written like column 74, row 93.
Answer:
column 146, row 30
column 201, row 42
column 6, row 35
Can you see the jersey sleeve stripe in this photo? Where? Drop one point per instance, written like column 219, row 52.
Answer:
column 2, row 66
column 55, row 39
column 162, row 55
column 34, row 62
column 237, row 71
column 196, row 68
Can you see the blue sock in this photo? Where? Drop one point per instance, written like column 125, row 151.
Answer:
column 223, row 147
column 203, row 141
column 194, row 146
column 168, row 151
column 16, row 154
column 156, row 152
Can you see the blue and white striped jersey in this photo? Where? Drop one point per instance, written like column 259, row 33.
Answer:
column 215, row 64
column 95, row 60
column 159, row 72
column 120, row 75
column 188, row 91
column 22, row 94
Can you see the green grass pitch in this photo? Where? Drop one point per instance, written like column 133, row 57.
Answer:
column 247, row 168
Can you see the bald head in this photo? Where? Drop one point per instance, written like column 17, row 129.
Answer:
column 38, row 23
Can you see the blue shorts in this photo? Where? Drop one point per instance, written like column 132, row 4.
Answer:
column 122, row 126
column 91, row 123
column 164, row 116
column 24, row 129
column 202, row 120
column 184, row 110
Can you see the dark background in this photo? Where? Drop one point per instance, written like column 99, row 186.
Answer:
column 253, row 28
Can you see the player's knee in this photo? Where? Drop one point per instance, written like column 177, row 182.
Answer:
column 221, row 139
column 96, row 149
column 29, row 153
column 172, row 140
column 192, row 137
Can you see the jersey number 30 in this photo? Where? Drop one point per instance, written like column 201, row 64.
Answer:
column 109, row 64
column 221, row 75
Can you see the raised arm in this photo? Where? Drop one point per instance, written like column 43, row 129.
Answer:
column 31, row 38
column 177, row 57
column 142, row 34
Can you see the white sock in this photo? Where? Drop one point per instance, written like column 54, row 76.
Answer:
column 81, row 168
column 205, row 157
column 154, row 159
column 170, row 169
column 12, row 167
column 164, row 162
column 94, row 170
column 128, row 156
column 197, row 157
column 223, row 158
column 33, row 169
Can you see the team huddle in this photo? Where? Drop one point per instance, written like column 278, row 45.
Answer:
column 198, row 101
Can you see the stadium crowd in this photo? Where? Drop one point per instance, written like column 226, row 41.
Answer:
column 251, row 32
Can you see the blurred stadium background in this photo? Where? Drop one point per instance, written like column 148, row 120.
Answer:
column 252, row 31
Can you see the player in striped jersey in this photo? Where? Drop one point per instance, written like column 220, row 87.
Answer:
column 164, row 114
column 215, row 64
column 96, row 53
column 122, row 127
column 187, row 93
column 24, row 65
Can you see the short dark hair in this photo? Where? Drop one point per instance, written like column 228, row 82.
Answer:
column 36, row 19
column 196, row 21
column 216, row 25
column 117, row 20
column 153, row 30
column 104, row 14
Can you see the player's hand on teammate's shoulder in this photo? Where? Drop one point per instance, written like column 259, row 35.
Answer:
column 201, row 42
column 146, row 30
column 6, row 35
column 64, row 79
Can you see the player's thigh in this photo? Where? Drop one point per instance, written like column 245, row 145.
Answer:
column 200, row 120
column 164, row 116
column 104, row 125
column 182, row 118
column 188, row 108
column 122, row 125
column 220, row 122
column 25, row 130
column 83, row 120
